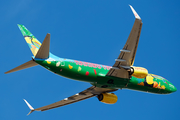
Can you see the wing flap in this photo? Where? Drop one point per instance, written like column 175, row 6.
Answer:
column 118, row 72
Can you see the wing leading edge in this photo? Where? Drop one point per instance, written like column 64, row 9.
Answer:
column 127, row 55
column 88, row 93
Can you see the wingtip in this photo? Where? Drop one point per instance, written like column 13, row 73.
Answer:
column 135, row 13
column 30, row 112
column 30, row 107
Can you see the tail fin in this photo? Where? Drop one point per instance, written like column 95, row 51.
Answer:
column 38, row 50
column 32, row 42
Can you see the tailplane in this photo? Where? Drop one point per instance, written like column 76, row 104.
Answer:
column 28, row 64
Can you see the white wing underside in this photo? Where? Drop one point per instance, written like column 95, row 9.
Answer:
column 127, row 55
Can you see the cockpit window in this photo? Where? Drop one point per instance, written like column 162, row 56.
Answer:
column 158, row 77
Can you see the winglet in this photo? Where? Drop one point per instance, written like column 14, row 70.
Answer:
column 135, row 13
column 30, row 107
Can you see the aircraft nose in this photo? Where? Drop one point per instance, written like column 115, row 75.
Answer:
column 173, row 88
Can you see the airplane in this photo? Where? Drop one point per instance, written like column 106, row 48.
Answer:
column 104, row 79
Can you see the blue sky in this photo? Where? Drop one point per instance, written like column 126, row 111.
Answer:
column 92, row 31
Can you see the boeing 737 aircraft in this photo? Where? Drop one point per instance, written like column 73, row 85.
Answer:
column 104, row 79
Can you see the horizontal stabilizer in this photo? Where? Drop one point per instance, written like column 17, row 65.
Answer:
column 43, row 51
column 28, row 64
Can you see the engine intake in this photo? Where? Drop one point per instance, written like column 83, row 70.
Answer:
column 138, row 72
column 108, row 98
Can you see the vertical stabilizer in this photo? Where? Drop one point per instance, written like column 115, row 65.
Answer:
column 38, row 50
column 32, row 42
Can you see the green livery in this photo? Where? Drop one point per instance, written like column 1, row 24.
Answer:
column 97, row 76
column 104, row 79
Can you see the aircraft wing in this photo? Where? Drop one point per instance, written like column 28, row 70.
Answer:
column 88, row 93
column 127, row 54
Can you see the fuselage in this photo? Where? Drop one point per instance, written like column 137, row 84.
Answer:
column 95, row 74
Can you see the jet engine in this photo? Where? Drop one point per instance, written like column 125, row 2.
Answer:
column 138, row 72
column 108, row 98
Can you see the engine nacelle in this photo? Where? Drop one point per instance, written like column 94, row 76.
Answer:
column 139, row 72
column 108, row 98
